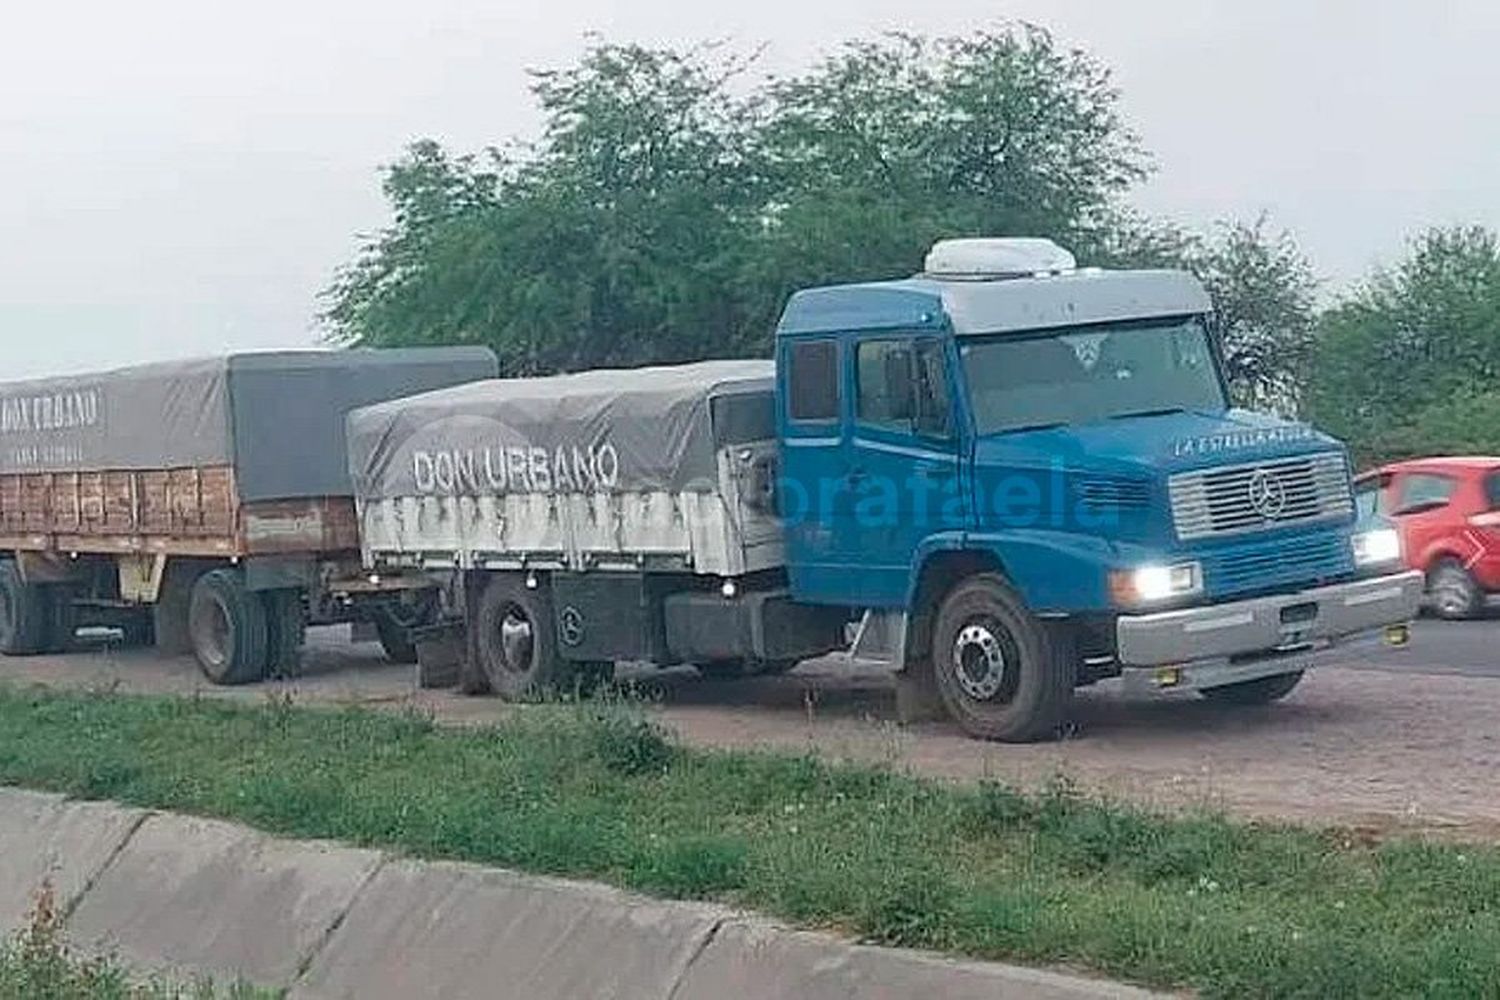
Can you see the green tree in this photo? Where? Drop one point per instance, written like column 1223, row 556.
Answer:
column 1261, row 284
column 1407, row 363
column 665, row 214
column 1263, row 293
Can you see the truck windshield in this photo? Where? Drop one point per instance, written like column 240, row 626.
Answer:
column 1089, row 374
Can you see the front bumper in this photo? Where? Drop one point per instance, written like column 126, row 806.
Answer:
column 1270, row 625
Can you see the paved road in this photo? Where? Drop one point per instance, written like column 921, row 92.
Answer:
column 1469, row 649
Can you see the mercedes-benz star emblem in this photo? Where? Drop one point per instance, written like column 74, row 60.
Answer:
column 571, row 626
column 1267, row 494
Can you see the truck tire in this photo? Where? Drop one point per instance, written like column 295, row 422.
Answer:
column 286, row 631
column 62, row 623
column 1261, row 691
column 227, row 623
column 169, row 615
column 138, row 630
column 26, row 616
column 395, row 640
column 516, row 640
column 1453, row 592
column 1003, row 674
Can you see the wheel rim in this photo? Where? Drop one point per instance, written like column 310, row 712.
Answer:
column 517, row 641
column 212, row 634
column 986, row 661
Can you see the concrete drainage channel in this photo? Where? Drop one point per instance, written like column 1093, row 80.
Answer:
column 176, row 893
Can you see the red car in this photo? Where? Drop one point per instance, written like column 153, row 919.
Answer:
column 1447, row 512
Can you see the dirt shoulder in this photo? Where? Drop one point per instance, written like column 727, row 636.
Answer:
column 1373, row 750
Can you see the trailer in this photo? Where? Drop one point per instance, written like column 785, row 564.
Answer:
column 585, row 519
column 204, row 504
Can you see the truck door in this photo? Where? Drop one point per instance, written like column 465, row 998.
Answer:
column 904, row 460
column 814, row 453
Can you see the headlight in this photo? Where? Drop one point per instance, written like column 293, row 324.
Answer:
column 1154, row 584
column 1372, row 548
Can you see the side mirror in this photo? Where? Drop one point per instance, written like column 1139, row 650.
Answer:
column 900, row 386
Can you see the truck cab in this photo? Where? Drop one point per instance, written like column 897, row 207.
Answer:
column 1032, row 476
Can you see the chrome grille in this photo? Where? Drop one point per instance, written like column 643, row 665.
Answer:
column 1239, row 498
column 1262, row 566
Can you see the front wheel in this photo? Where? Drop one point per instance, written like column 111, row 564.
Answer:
column 1261, row 691
column 1003, row 674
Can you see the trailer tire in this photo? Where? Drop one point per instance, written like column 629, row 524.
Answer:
column 26, row 625
column 138, row 630
column 1261, row 691
column 169, row 615
column 286, row 631
column 395, row 640
column 516, row 640
column 62, row 620
column 227, row 623
column 1003, row 674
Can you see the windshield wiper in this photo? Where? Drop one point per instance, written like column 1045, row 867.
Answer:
column 1047, row 426
column 1158, row 412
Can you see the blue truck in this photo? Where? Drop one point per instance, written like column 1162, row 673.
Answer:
column 1008, row 477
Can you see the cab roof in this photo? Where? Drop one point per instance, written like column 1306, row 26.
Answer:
column 997, row 305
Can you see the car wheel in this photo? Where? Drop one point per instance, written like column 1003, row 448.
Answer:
column 1452, row 591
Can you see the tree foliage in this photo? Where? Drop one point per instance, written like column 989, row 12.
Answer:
column 1407, row 364
column 667, row 208
column 1263, row 291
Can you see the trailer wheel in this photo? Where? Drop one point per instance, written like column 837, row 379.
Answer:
column 395, row 640
column 286, row 631
column 169, row 615
column 227, row 623
column 516, row 640
column 1003, row 674
column 26, row 625
column 62, row 620
column 1261, row 691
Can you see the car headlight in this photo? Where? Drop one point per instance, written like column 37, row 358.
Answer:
column 1153, row 584
column 1375, row 547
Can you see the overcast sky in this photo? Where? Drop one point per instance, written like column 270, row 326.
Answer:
column 179, row 177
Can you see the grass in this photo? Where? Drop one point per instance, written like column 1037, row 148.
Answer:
column 37, row 964
column 597, row 791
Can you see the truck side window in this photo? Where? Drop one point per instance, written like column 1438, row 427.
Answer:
column 813, row 380
column 903, row 386
column 876, row 402
column 933, row 409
